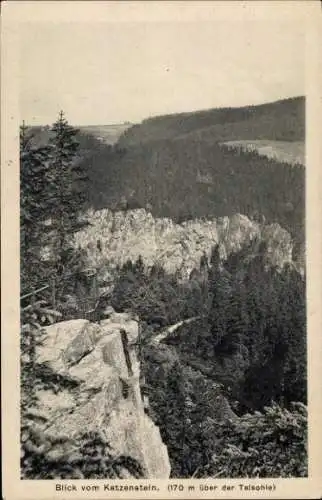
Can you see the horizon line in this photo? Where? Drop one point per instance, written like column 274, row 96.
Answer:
column 128, row 122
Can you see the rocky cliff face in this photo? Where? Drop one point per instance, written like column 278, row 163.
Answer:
column 127, row 234
column 101, row 361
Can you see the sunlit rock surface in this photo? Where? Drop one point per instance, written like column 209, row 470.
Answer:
column 94, row 359
column 177, row 247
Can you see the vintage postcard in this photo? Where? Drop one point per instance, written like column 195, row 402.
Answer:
column 161, row 249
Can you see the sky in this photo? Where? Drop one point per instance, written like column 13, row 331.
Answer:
column 101, row 73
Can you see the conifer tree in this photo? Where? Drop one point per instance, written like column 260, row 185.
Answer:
column 68, row 189
column 34, row 168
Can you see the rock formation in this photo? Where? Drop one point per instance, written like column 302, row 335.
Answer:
column 101, row 361
column 177, row 247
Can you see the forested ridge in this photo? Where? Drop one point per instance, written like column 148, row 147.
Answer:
column 280, row 120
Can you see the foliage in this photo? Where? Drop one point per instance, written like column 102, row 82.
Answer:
column 158, row 298
column 205, row 438
column 34, row 167
column 87, row 456
column 252, row 330
column 252, row 340
column 253, row 336
column 53, row 195
column 67, row 188
column 33, row 319
column 268, row 444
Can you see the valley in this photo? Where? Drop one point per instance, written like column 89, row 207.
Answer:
column 192, row 242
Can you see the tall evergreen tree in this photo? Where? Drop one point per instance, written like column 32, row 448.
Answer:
column 68, row 188
column 34, row 170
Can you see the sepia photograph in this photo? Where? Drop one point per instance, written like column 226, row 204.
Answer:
column 162, row 241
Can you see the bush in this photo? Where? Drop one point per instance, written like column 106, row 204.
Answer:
column 268, row 444
column 88, row 456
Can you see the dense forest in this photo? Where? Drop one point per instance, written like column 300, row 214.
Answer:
column 246, row 311
column 247, row 347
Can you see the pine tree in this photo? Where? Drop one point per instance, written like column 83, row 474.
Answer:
column 34, row 169
column 68, row 188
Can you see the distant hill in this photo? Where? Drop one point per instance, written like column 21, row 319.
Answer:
column 89, row 135
column 281, row 120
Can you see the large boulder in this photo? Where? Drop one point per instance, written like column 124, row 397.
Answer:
column 65, row 343
column 100, row 395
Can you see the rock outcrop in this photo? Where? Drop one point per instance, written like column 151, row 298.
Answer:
column 177, row 247
column 102, row 364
